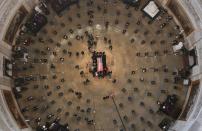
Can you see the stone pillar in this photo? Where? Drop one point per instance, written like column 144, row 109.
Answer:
column 6, row 119
column 29, row 4
column 163, row 2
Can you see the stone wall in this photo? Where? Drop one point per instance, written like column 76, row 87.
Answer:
column 5, row 118
column 7, row 11
column 193, row 9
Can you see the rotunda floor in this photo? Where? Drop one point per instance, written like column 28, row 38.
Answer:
column 139, row 54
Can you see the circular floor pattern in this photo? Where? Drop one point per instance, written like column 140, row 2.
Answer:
column 139, row 54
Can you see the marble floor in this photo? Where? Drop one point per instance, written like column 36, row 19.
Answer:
column 136, row 48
